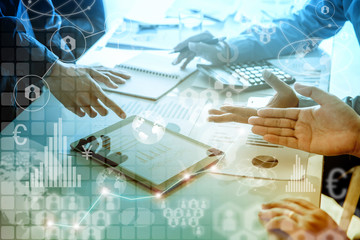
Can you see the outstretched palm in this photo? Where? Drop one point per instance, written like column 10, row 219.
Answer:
column 284, row 97
column 329, row 129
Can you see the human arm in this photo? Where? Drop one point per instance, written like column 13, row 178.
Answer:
column 300, row 32
column 29, row 39
column 297, row 217
column 332, row 128
column 284, row 97
column 78, row 90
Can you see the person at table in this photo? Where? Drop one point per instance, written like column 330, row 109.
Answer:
column 300, row 32
column 331, row 128
column 29, row 29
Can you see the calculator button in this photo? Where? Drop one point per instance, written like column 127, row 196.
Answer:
column 252, row 81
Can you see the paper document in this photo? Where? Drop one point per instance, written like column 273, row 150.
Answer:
column 152, row 76
column 176, row 112
column 248, row 154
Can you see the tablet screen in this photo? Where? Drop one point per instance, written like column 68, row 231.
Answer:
column 148, row 150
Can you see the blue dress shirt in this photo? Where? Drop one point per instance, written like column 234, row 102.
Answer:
column 318, row 20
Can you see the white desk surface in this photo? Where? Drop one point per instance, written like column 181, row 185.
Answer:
column 142, row 219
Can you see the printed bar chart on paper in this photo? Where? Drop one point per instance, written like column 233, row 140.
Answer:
column 57, row 169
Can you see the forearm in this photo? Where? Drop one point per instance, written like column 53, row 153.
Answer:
column 302, row 31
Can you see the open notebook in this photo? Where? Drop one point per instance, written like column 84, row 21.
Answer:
column 152, row 76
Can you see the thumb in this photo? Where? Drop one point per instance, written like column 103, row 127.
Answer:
column 318, row 95
column 278, row 85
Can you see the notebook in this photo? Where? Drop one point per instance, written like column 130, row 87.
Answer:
column 152, row 75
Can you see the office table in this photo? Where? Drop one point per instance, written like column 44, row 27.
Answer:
column 210, row 206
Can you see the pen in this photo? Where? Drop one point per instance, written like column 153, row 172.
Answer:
column 207, row 41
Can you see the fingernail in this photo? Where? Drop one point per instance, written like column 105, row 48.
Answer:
column 209, row 119
column 123, row 115
column 266, row 74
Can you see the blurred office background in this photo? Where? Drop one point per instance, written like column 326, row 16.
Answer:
column 234, row 16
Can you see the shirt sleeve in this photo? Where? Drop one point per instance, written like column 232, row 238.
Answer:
column 300, row 32
column 354, row 103
column 21, row 54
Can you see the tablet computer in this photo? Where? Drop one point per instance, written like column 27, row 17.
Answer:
column 147, row 152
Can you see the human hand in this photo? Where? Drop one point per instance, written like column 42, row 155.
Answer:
column 77, row 88
column 299, row 219
column 194, row 47
column 284, row 97
column 333, row 128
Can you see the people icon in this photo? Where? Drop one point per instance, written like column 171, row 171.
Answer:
column 68, row 44
column 229, row 221
column 173, row 222
column 188, row 97
column 163, row 205
column 168, row 212
column 203, row 204
column 198, row 213
column 265, row 38
column 72, row 203
column 325, row 10
column 101, row 220
column 183, row 222
column 32, row 92
column 211, row 96
column 183, row 204
column 179, row 213
column 193, row 204
column 199, row 231
column 110, row 205
column 193, row 222
column 188, row 213
column 228, row 99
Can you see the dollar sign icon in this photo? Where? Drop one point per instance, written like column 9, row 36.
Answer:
column 16, row 132
column 331, row 180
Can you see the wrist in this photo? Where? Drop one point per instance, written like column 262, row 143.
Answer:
column 356, row 151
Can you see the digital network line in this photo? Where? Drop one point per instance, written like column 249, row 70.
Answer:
column 106, row 192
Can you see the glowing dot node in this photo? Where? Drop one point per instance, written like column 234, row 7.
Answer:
column 105, row 191
column 49, row 223
column 186, row 176
column 76, row 226
column 213, row 168
column 158, row 195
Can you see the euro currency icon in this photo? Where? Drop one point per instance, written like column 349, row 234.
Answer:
column 331, row 183
column 17, row 139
